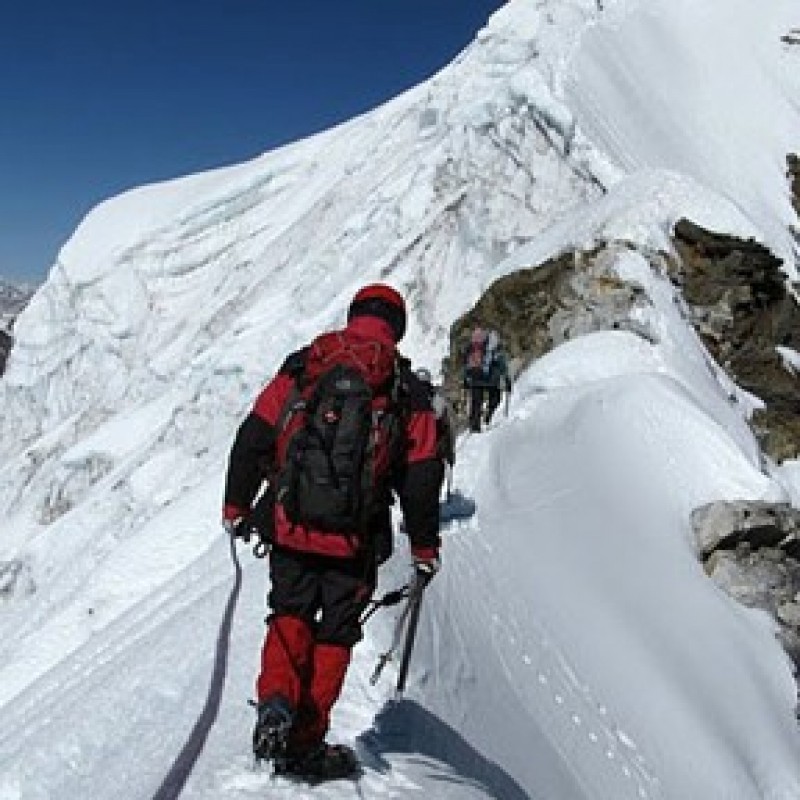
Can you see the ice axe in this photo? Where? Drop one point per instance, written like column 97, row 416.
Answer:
column 406, row 622
column 415, row 604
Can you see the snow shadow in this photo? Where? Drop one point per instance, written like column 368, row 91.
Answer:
column 457, row 506
column 405, row 727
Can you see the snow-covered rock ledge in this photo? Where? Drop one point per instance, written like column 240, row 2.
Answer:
column 747, row 316
column 751, row 550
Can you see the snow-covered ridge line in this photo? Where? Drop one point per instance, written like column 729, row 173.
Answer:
column 651, row 87
column 572, row 646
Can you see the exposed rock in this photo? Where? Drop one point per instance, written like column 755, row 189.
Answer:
column 723, row 526
column 742, row 309
column 752, row 552
column 789, row 613
column 764, row 579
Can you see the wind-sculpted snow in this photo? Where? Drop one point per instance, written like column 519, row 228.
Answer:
column 571, row 647
column 589, row 632
column 686, row 86
column 189, row 294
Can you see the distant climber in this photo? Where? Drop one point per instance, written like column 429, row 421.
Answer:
column 485, row 376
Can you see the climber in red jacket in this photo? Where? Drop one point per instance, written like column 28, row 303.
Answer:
column 343, row 428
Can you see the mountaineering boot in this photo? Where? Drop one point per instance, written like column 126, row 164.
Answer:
column 272, row 727
column 325, row 762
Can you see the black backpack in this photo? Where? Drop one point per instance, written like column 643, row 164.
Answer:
column 333, row 440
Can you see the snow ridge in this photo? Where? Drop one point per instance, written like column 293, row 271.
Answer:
column 572, row 646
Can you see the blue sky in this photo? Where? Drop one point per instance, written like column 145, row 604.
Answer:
column 97, row 96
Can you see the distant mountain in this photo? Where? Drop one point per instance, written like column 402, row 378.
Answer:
column 13, row 298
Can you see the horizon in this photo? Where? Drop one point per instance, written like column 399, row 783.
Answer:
column 104, row 99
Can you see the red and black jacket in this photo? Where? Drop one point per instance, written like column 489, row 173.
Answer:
column 415, row 476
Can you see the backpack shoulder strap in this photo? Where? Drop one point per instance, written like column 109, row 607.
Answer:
column 295, row 367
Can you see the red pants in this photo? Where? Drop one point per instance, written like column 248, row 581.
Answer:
column 308, row 674
column 316, row 605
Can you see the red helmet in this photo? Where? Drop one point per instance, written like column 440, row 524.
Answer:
column 382, row 301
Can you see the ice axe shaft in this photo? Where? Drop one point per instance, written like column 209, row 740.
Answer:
column 397, row 636
column 414, row 605
column 406, row 622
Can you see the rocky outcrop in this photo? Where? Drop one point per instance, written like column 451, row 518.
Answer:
column 743, row 311
column 537, row 308
column 735, row 291
column 751, row 550
column 725, row 526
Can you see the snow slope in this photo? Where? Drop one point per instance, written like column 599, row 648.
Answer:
column 707, row 89
column 572, row 646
